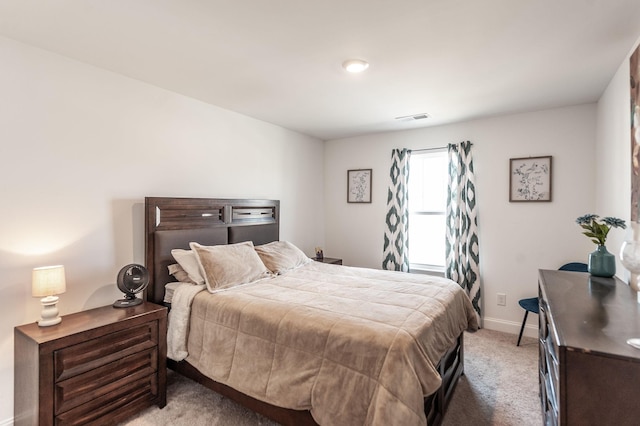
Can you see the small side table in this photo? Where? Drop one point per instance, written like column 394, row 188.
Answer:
column 101, row 365
column 331, row 260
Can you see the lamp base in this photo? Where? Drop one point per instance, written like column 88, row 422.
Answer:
column 49, row 312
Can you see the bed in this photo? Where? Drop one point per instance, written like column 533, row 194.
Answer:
column 313, row 344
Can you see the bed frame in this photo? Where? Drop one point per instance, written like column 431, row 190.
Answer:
column 174, row 222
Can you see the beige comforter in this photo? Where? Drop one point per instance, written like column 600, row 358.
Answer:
column 355, row 346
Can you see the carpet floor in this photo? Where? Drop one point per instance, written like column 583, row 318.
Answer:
column 499, row 387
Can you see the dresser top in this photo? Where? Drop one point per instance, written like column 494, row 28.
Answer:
column 592, row 314
column 84, row 321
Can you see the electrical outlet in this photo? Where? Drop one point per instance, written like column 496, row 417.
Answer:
column 502, row 299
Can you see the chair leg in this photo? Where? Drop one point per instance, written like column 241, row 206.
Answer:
column 524, row 321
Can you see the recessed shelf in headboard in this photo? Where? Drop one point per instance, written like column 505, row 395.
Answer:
column 175, row 222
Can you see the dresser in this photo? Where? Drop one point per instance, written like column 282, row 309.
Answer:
column 98, row 366
column 589, row 375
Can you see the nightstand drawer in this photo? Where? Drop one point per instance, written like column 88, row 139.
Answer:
column 95, row 412
column 85, row 387
column 95, row 353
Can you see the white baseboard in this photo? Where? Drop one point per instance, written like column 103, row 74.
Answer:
column 8, row 422
column 512, row 327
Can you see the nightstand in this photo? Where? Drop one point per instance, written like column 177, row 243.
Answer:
column 104, row 365
column 332, row 260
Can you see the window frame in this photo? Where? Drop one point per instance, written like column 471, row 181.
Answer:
column 426, row 268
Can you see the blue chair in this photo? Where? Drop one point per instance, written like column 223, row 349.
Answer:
column 531, row 304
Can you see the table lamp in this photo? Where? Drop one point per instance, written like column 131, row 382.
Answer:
column 47, row 282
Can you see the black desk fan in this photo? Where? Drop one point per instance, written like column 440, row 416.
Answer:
column 132, row 279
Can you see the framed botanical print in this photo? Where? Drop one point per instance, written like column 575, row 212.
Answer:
column 359, row 186
column 530, row 179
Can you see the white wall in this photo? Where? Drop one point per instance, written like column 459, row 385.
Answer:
column 81, row 148
column 613, row 153
column 516, row 239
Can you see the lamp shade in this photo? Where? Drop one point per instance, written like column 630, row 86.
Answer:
column 48, row 281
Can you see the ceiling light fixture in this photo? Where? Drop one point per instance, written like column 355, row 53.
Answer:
column 355, row 65
column 420, row 116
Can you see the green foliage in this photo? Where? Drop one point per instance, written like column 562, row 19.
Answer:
column 597, row 231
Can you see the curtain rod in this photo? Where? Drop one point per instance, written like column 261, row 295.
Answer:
column 429, row 149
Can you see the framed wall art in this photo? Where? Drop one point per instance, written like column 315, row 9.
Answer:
column 530, row 179
column 359, row 186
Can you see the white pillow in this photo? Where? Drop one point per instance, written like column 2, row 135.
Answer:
column 187, row 259
column 229, row 265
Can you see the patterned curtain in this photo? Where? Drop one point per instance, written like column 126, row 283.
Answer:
column 462, row 251
column 396, row 233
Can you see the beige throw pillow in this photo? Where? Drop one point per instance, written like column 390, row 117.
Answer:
column 180, row 274
column 281, row 256
column 228, row 265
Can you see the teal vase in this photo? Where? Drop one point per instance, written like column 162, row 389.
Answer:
column 602, row 263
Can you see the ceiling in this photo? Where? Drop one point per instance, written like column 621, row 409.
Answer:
column 280, row 60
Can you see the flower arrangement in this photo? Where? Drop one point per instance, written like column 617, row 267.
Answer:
column 597, row 229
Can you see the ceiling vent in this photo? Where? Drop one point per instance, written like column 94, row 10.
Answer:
column 413, row 117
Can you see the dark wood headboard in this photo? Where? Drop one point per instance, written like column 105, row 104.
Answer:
column 175, row 222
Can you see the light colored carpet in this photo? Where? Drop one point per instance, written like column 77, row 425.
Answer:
column 500, row 383
column 500, row 387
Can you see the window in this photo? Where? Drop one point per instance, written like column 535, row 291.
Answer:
column 427, row 210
